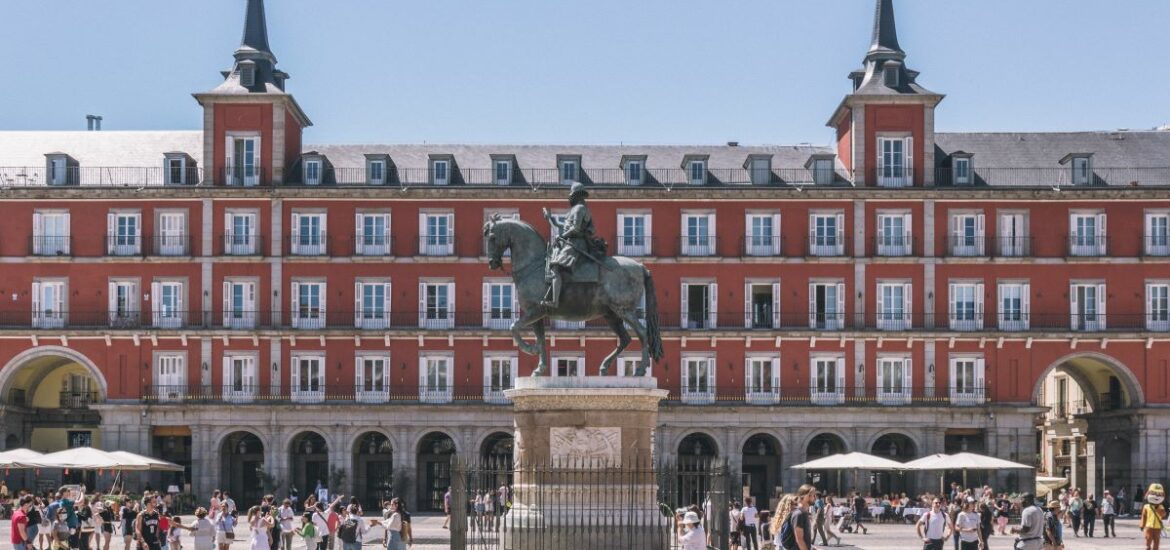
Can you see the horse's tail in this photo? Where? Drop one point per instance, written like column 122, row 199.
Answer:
column 653, row 333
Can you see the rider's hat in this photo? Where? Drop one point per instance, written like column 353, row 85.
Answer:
column 578, row 189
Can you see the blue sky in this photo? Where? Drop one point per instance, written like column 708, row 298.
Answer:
column 596, row 71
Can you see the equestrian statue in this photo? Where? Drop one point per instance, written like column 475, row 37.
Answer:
column 573, row 279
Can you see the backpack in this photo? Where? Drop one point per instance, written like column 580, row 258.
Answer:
column 347, row 532
column 788, row 534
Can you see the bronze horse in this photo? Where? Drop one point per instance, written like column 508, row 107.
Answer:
column 614, row 297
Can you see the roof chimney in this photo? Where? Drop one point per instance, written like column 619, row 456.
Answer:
column 733, row 144
column 93, row 123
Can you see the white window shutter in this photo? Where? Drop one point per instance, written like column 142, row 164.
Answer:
column 712, row 241
column 38, row 232
column 881, row 157
column 979, row 306
column 227, row 302
column 980, row 373
column 1149, row 305
column 451, row 301
column 683, row 297
column 812, row 233
column 112, row 300
column 908, row 304
column 776, row 374
column 907, row 375
column 228, row 231
column 747, row 305
column 324, row 309
column 386, row 306
column 1074, row 306
column 296, row 230
column 951, row 310
column 1000, row 309
column 359, row 229
column 980, row 233
column 812, row 305
column 649, row 246
column 68, row 235
column 1102, row 236
column 908, row 230
column 839, row 237
column 775, row 305
column 713, row 298
column 422, row 232
column 111, row 231
column 775, row 236
column 295, row 374
column 840, row 306
column 749, row 375
column 357, row 304
column 1101, row 316
column 486, row 309
column 294, row 295
column 422, row 306
column 386, row 235
column 840, row 375
column 156, row 300
column 1026, row 305
column 359, row 374
column 910, row 158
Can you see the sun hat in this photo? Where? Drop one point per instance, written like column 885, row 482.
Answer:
column 691, row 517
column 1054, row 505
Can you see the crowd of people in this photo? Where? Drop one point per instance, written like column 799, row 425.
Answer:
column 70, row 519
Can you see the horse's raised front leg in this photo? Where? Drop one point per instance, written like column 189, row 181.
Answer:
column 526, row 319
column 618, row 326
column 631, row 319
column 542, row 366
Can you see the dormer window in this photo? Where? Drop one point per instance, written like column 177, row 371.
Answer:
column 569, row 169
column 313, row 172
column 176, row 167
column 376, row 172
column 823, row 168
column 440, row 172
column 760, row 170
column 61, row 169
column 1082, row 167
column 635, row 170
column 247, row 74
column 891, row 76
column 502, row 170
column 961, row 169
column 697, row 172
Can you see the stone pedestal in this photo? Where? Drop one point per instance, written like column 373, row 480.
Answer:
column 584, row 456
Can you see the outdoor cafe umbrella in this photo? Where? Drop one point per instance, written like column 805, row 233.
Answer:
column 152, row 464
column 1046, row 485
column 88, row 458
column 19, row 458
column 850, row 461
column 962, row 461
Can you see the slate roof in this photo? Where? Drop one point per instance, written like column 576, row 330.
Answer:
column 107, row 149
column 1141, row 149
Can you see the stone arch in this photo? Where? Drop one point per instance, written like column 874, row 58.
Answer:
column 422, row 436
column 433, row 469
column 846, row 447
column 372, row 461
column 239, row 466
column 1129, row 381
column 361, row 432
column 221, row 436
column 782, row 442
column 683, row 434
column 892, row 431
column 490, row 438
column 13, row 365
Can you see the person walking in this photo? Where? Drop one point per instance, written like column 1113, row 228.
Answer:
column 393, row 526
column 1075, row 509
column 1031, row 531
column 61, row 531
column 1090, row 515
column 798, row 519
column 1003, row 512
column 20, row 534
column 968, row 526
column 34, row 521
column 318, row 516
column 1053, row 528
column 352, row 530
column 1108, row 514
column 934, row 526
column 447, row 508
column 259, row 524
column 129, row 517
column 751, row 525
column 735, row 525
column 148, row 527
column 285, row 515
column 202, row 531
column 308, row 531
column 225, row 528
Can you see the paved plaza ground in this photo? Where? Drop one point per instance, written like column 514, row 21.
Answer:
column 429, row 535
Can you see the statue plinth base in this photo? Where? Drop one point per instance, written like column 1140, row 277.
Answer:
column 584, row 455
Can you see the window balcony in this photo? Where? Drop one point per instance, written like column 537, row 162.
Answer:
column 244, row 176
column 170, row 245
column 698, row 396
column 53, row 246
column 968, row 246
column 892, row 395
column 373, row 245
column 1013, row 247
column 762, row 245
column 242, row 244
column 762, row 395
column 77, row 399
column 316, row 244
column 826, row 245
column 435, row 394
column 903, row 177
column 436, row 245
column 893, row 320
column 315, row 393
column 966, row 321
column 967, row 395
column 1156, row 245
column 635, row 245
column 372, row 393
column 893, row 245
column 169, row 394
column 697, row 245
column 124, row 245
column 495, row 395
column 1088, row 245
column 826, row 395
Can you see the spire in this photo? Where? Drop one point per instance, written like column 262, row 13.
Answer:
column 885, row 30
column 255, row 28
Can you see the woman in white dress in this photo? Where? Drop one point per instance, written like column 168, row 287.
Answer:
column 260, row 522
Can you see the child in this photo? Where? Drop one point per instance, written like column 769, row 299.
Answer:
column 308, row 531
column 174, row 530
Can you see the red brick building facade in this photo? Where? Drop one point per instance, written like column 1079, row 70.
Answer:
column 230, row 299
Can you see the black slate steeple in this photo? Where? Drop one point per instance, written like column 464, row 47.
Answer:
column 884, row 71
column 255, row 68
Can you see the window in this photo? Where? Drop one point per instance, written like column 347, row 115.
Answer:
column 1157, row 234
column 827, row 386
column 761, row 305
column 895, row 162
column 175, row 170
column 762, row 379
column 503, row 172
column 966, row 306
column 895, row 306
column 308, row 305
column 893, row 379
column 239, row 378
column 826, row 234
column 761, row 171
column 243, row 162
column 826, row 306
column 962, row 169
column 372, row 378
column 58, row 171
column 1087, row 306
column 373, row 234
column 1014, row 306
column 124, row 309
column 1013, row 234
column 308, row 378
column 967, row 381
column 967, row 234
column 499, row 304
column 628, row 365
column 1157, row 306
column 171, row 234
column 436, row 305
column 312, row 172
column 124, row 233
column 436, row 234
column 376, row 172
column 371, row 304
column 634, row 172
column 308, row 234
column 435, row 376
column 699, row 300
column 824, row 172
column 763, row 234
column 697, row 172
column 1082, row 171
column 698, row 379
column 499, row 374
column 247, row 74
column 50, row 233
column 168, row 307
column 568, row 367
column 49, row 304
column 698, row 234
column 440, row 172
column 568, row 169
column 1087, row 234
column 634, row 234
column 893, row 234
column 240, row 238
column 239, row 304
column 170, row 376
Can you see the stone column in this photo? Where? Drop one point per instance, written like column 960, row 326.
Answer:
column 1091, row 485
column 1074, row 477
